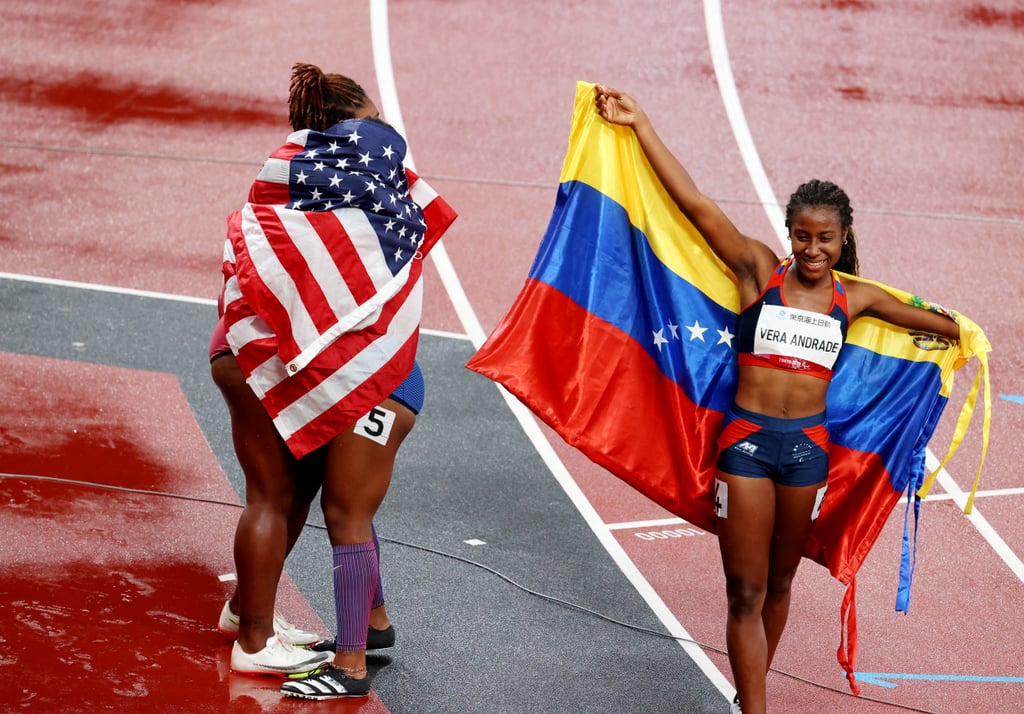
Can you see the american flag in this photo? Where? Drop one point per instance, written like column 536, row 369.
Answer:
column 322, row 266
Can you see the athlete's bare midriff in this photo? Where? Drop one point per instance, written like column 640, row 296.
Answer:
column 779, row 393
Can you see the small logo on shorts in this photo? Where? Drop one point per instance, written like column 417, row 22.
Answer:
column 746, row 447
column 803, row 452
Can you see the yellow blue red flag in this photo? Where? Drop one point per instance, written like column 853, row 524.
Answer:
column 622, row 341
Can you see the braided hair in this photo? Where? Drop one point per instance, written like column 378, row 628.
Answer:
column 317, row 100
column 825, row 193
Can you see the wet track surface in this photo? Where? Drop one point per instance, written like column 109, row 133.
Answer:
column 131, row 129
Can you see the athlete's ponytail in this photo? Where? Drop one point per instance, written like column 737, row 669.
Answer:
column 848, row 262
column 317, row 100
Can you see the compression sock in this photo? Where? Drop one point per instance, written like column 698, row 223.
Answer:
column 355, row 574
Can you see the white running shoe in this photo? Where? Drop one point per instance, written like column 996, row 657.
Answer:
column 278, row 658
column 285, row 631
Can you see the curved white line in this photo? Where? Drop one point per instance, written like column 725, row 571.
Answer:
column 106, row 288
column 393, row 113
column 389, row 101
column 734, row 110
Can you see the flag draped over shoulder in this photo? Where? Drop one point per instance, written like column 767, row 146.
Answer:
column 322, row 295
column 622, row 341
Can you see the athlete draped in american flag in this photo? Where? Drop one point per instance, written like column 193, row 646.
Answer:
column 315, row 356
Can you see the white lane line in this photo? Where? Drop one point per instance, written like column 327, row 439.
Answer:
column 107, row 288
column 726, row 83
column 117, row 290
column 393, row 114
column 627, row 525
column 389, row 102
column 734, row 110
column 445, row 334
column 960, row 498
column 613, row 547
column 1002, row 549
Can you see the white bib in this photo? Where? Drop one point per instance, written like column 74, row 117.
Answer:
column 798, row 334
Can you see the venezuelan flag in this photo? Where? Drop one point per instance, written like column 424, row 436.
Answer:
column 621, row 341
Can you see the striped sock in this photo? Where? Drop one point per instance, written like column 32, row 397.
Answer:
column 355, row 574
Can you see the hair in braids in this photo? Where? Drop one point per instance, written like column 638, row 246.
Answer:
column 825, row 193
column 317, row 100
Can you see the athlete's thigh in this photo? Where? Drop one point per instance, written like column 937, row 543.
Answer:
column 359, row 461
column 265, row 460
column 794, row 511
column 746, row 517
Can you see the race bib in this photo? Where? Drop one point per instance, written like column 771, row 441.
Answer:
column 376, row 425
column 798, row 334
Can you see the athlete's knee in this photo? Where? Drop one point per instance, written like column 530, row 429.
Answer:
column 347, row 526
column 745, row 597
column 270, row 485
column 780, row 583
column 271, row 502
column 335, row 515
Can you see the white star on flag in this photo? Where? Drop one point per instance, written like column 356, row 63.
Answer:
column 696, row 331
column 725, row 337
column 659, row 339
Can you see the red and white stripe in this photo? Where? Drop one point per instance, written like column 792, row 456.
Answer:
column 321, row 328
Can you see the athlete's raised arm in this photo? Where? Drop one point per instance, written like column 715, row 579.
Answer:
column 750, row 260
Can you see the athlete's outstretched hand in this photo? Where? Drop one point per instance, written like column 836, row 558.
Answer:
column 615, row 106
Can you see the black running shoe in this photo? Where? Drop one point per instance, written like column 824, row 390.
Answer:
column 329, row 684
column 375, row 640
column 380, row 639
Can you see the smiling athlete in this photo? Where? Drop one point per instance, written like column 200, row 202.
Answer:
column 773, row 451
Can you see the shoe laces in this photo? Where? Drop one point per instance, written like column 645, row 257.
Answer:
column 282, row 625
column 276, row 643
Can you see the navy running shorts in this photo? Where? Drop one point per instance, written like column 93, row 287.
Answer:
column 790, row 452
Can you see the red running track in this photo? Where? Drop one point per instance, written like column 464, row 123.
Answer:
column 915, row 108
